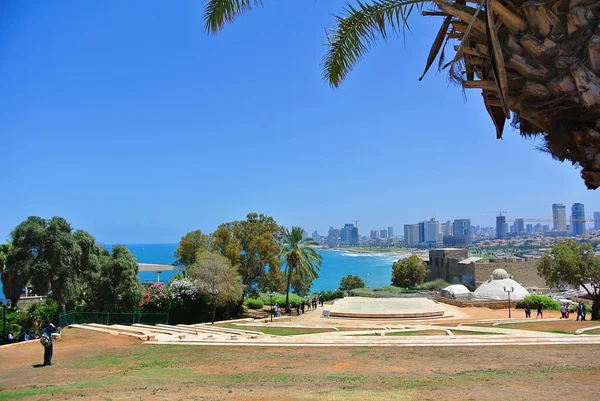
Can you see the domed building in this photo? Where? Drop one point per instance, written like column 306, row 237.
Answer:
column 494, row 288
column 456, row 291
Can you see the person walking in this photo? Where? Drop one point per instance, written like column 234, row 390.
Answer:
column 297, row 309
column 527, row 311
column 583, row 310
column 47, row 330
column 303, row 305
column 563, row 311
column 540, row 312
column 578, row 311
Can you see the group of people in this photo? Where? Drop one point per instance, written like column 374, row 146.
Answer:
column 580, row 309
column 540, row 311
column 310, row 303
column 22, row 336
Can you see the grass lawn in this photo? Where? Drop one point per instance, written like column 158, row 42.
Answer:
column 96, row 366
column 279, row 331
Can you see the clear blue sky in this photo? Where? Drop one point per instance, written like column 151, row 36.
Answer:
column 131, row 122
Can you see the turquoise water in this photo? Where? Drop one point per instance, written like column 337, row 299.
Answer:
column 336, row 264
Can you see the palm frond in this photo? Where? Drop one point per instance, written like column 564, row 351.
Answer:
column 357, row 32
column 217, row 12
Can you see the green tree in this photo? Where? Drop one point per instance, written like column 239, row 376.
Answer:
column 500, row 48
column 12, row 281
column 298, row 256
column 300, row 285
column 189, row 245
column 351, row 282
column 251, row 246
column 119, row 287
column 408, row 272
column 214, row 271
column 571, row 263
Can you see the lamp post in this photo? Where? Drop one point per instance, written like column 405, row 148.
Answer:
column 271, row 295
column 214, row 292
column 508, row 291
column 366, row 280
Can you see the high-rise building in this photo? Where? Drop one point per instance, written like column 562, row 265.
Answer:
column 354, row 237
column 596, row 220
column 346, row 235
column 546, row 227
column 422, row 230
column 529, row 228
column 500, row 227
column 462, row 232
column 433, row 232
column 519, row 226
column 315, row 237
column 374, row 234
column 559, row 217
column 447, row 229
column 383, row 234
column 411, row 235
column 578, row 219
column 333, row 237
column 390, row 232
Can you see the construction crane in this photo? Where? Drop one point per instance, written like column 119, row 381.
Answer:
column 540, row 219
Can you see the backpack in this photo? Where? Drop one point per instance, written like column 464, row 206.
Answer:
column 46, row 339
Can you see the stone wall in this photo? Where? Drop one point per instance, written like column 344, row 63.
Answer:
column 477, row 304
column 523, row 271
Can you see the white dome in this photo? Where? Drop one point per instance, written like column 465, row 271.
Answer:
column 457, row 289
column 494, row 289
column 499, row 274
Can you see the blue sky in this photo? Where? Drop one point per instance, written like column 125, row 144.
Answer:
column 131, row 122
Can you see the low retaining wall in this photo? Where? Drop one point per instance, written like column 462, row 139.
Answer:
column 463, row 303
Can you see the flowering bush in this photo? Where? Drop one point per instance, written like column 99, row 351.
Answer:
column 156, row 298
column 183, row 290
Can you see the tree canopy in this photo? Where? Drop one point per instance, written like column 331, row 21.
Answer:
column 408, row 272
column 569, row 262
column 351, row 282
column 188, row 248
column 298, row 257
column 251, row 246
column 69, row 267
column 215, row 272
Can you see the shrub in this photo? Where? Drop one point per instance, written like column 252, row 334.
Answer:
column 330, row 295
column 435, row 284
column 535, row 300
column 183, row 290
column 255, row 303
column 155, row 299
column 280, row 300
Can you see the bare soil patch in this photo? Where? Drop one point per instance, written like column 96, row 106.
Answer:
column 96, row 366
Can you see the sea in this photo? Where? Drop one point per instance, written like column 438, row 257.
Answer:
column 375, row 268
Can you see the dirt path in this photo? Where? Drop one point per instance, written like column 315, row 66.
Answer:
column 95, row 366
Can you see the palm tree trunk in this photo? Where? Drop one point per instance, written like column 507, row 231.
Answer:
column 540, row 60
column 287, row 291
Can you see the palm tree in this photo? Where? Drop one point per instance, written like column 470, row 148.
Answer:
column 298, row 256
column 538, row 60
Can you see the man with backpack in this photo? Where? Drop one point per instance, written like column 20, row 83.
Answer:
column 46, row 340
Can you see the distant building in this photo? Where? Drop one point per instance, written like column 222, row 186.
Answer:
column 333, row 237
column 529, row 228
column 461, row 230
column 559, row 217
column 545, row 227
column 500, row 227
column 578, row 219
column 538, row 228
column 433, row 232
column 346, row 235
column 411, row 235
column 383, row 234
column 596, row 220
column 422, row 230
column 390, row 232
column 447, row 229
column 315, row 237
column 519, row 226
column 374, row 234
column 354, row 237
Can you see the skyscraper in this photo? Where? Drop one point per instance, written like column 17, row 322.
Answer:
column 390, row 232
column 411, row 235
column 354, row 237
column 421, row 232
column 333, row 237
column 346, row 235
column 383, row 234
column 596, row 220
column 500, row 227
column 578, row 219
column 374, row 234
column 559, row 217
column 315, row 236
column 519, row 226
column 433, row 233
column 462, row 232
